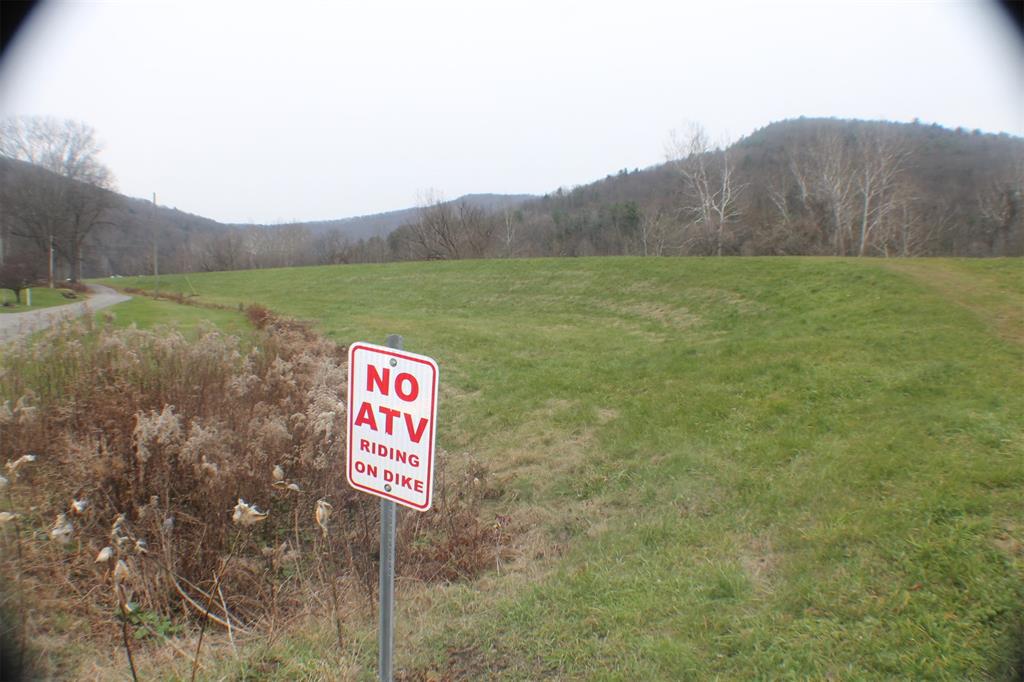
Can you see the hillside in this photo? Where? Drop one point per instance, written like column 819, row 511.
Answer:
column 122, row 241
column 735, row 468
column 796, row 187
column 132, row 230
column 382, row 224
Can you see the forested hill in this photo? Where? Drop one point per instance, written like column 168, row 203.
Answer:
column 109, row 233
column 121, row 239
column 382, row 224
column 803, row 186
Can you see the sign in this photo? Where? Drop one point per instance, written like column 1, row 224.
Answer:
column 392, row 415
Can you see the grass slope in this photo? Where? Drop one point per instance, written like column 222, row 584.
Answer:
column 146, row 313
column 742, row 468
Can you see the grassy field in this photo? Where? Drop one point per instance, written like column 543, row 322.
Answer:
column 732, row 468
column 147, row 313
column 42, row 297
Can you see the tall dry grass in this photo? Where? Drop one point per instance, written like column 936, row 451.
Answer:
column 156, row 437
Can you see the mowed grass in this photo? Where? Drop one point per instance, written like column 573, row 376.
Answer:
column 730, row 468
column 146, row 313
column 42, row 297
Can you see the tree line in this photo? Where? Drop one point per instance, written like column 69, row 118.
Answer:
column 796, row 187
column 805, row 187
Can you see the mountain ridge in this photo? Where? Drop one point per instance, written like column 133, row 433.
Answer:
column 370, row 225
column 963, row 191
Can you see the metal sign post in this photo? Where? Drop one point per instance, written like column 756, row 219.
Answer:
column 387, row 588
column 387, row 571
column 392, row 420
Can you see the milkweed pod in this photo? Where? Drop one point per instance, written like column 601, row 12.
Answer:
column 121, row 571
column 61, row 529
column 322, row 514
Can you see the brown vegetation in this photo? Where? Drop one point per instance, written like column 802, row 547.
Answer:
column 145, row 445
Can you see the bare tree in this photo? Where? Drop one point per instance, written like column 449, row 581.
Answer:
column 476, row 229
column 226, row 250
column 657, row 232
column 65, row 197
column 853, row 183
column 332, row 247
column 881, row 160
column 279, row 246
column 824, row 172
column 445, row 230
column 711, row 196
column 511, row 219
column 1001, row 208
column 433, row 236
column 834, row 178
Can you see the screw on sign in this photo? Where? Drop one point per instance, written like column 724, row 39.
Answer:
column 392, row 413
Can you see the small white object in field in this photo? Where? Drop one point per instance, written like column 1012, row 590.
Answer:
column 278, row 473
column 61, row 529
column 247, row 514
column 117, row 534
column 118, row 525
column 322, row 514
column 121, row 571
column 4, row 482
column 168, row 524
column 7, row 517
column 105, row 554
column 78, row 506
column 12, row 467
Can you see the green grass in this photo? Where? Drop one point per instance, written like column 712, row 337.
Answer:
column 42, row 297
column 739, row 468
column 147, row 313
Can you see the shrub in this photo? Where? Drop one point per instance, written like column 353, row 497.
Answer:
column 162, row 435
column 16, row 277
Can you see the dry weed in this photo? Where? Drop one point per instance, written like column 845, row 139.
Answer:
column 147, row 444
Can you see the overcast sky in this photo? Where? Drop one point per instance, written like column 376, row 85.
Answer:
column 272, row 112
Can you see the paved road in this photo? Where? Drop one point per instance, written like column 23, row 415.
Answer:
column 13, row 325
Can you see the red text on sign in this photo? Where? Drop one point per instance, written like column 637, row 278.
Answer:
column 365, row 417
column 391, row 453
column 406, row 386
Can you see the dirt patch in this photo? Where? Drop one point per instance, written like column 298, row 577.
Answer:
column 759, row 562
column 538, row 450
column 644, row 286
column 673, row 317
column 464, row 663
column 723, row 298
column 1009, row 540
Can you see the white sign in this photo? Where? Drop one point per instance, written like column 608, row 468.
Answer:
column 392, row 415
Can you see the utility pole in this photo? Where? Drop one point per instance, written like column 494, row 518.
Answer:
column 51, row 261
column 156, row 265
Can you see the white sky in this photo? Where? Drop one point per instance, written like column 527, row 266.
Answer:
column 270, row 112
